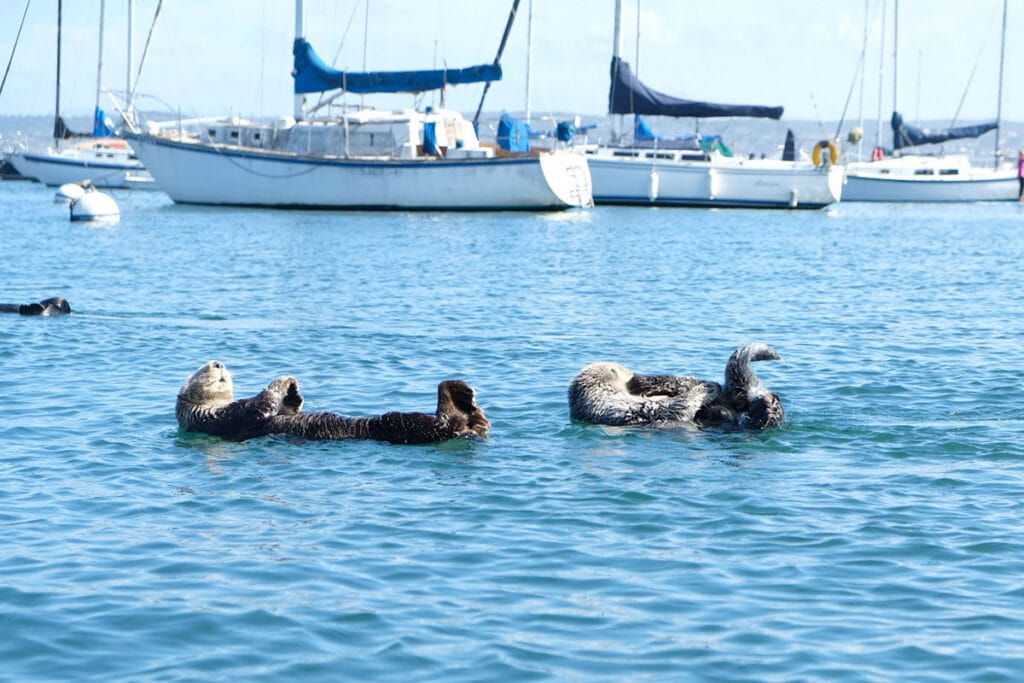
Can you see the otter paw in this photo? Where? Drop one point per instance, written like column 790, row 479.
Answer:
column 292, row 402
column 287, row 387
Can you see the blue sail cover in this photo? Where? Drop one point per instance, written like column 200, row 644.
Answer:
column 513, row 134
column 909, row 136
column 313, row 75
column 101, row 127
column 628, row 95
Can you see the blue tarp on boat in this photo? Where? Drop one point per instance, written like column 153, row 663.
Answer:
column 101, row 127
column 628, row 95
column 513, row 134
column 565, row 131
column 642, row 131
column 904, row 135
column 313, row 75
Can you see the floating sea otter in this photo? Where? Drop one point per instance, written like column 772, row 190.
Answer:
column 53, row 306
column 609, row 394
column 206, row 404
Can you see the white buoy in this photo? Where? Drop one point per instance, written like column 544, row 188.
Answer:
column 95, row 206
column 68, row 193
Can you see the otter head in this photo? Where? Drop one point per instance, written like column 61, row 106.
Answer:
column 595, row 389
column 610, row 375
column 210, row 386
column 52, row 306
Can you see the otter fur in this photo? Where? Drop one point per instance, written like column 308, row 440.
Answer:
column 610, row 394
column 206, row 404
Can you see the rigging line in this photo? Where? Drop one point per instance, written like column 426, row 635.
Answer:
column 237, row 164
column 337, row 53
column 145, row 50
column 974, row 69
column 16, row 39
column 497, row 59
column 344, row 35
column 858, row 71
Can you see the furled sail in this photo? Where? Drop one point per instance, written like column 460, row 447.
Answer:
column 904, row 135
column 628, row 95
column 313, row 75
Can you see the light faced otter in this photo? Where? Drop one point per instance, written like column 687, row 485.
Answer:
column 206, row 404
column 52, row 306
column 609, row 394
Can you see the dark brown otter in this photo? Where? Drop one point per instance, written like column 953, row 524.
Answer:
column 52, row 306
column 206, row 404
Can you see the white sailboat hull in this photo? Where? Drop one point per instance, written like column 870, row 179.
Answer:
column 206, row 173
column 928, row 179
column 57, row 169
column 645, row 179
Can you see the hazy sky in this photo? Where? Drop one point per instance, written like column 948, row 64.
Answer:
column 234, row 56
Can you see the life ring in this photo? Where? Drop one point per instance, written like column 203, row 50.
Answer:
column 833, row 152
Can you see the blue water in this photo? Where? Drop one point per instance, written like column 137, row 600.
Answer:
column 876, row 536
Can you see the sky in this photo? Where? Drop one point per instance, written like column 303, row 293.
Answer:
column 234, row 56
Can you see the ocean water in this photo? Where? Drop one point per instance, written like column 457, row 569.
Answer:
column 876, row 536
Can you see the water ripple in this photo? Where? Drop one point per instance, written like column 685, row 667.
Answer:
column 875, row 536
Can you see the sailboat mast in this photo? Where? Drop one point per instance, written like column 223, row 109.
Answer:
column 99, row 65
column 999, row 101
column 860, row 105
column 130, row 56
column 300, row 33
column 529, row 52
column 895, row 52
column 636, row 60
column 881, row 78
column 617, row 119
column 57, row 127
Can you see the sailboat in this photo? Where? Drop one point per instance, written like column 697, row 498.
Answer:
column 357, row 158
column 701, row 171
column 933, row 178
column 99, row 159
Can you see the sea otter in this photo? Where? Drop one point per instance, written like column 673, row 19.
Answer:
column 206, row 404
column 52, row 306
column 609, row 394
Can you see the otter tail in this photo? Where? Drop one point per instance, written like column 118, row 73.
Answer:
column 739, row 377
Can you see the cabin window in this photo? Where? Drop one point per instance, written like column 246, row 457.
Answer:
column 949, row 171
column 923, row 171
column 212, row 132
column 255, row 136
column 625, row 153
column 234, row 134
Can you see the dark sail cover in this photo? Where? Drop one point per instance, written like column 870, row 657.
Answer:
column 789, row 149
column 313, row 75
column 628, row 95
column 904, row 135
column 61, row 130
